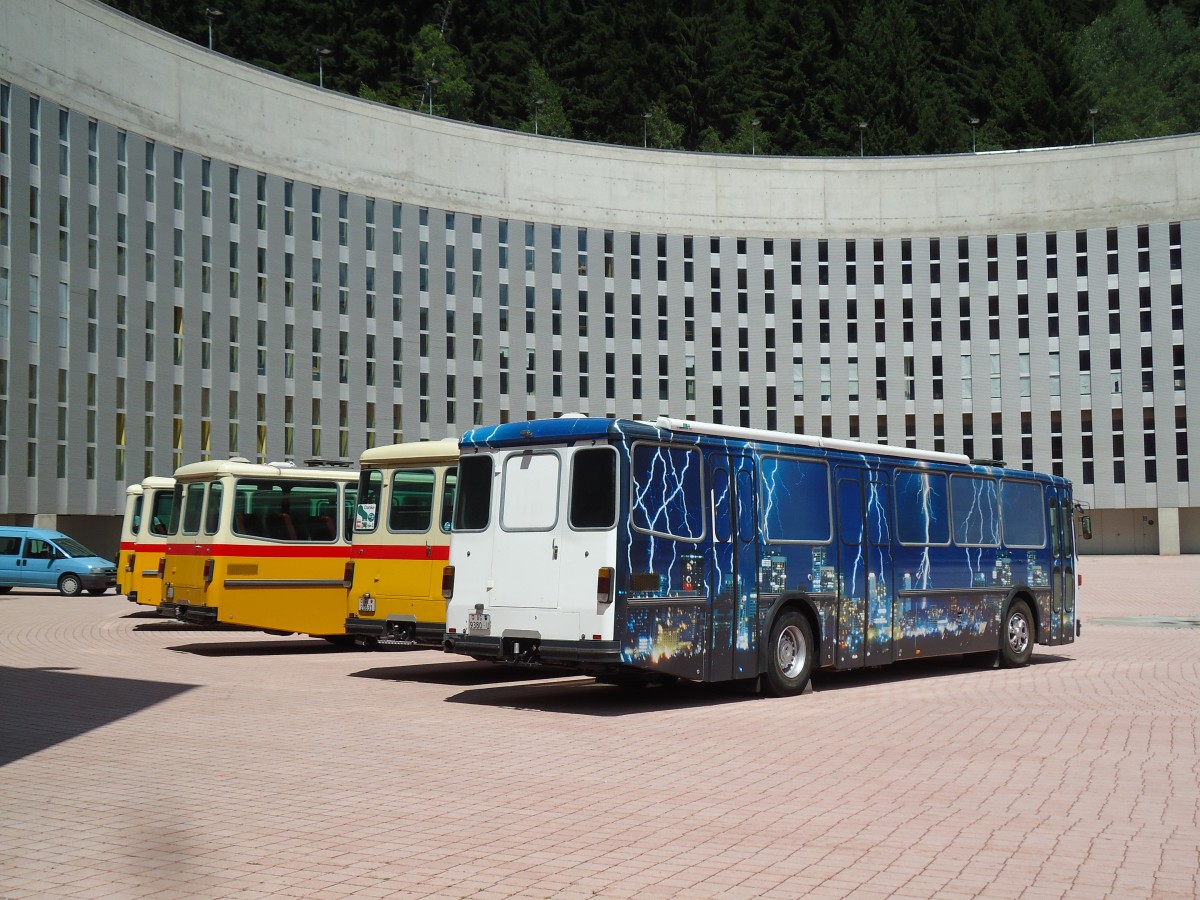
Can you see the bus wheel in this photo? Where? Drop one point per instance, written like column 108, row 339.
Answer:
column 69, row 585
column 791, row 653
column 1016, row 639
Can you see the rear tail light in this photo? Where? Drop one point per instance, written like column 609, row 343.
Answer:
column 162, row 566
column 209, row 566
column 448, row 582
column 348, row 574
column 1080, row 576
column 129, row 563
column 604, row 585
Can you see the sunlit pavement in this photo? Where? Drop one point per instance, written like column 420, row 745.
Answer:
column 140, row 758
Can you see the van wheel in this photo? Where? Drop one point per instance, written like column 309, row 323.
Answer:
column 69, row 585
column 1016, row 637
column 790, row 654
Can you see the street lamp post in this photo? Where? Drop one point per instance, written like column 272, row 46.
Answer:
column 433, row 82
column 974, row 120
column 1092, row 110
column 537, row 105
column 754, row 123
column 862, row 132
column 322, row 52
column 210, row 13
column 645, row 129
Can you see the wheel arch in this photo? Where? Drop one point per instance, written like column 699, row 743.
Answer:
column 1023, row 592
column 782, row 604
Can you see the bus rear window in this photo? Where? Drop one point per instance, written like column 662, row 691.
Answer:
column 473, row 496
column 160, row 512
column 370, row 490
column 135, row 524
column 212, row 513
column 412, row 500
column 529, row 501
column 193, row 507
column 593, row 488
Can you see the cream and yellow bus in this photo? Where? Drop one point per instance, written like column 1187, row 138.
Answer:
column 261, row 545
column 401, row 543
column 144, row 538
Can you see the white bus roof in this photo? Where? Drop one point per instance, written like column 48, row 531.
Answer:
column 158, row 483
column 804, row 440
column 410, row 452
column 212, row 468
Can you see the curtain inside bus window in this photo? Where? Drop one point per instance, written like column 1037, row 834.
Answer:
column 593, row 488
column 473, row 496
column 976, row 511
column 922, row 511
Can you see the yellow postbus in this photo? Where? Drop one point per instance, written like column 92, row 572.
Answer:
column 262, row 545
column 144, row 538
column 402, row 543
column 131, row 523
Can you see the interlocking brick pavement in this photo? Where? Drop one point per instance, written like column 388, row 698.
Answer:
column 139, row 758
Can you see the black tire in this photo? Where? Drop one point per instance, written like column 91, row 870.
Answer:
column 1017, row 633
column 790, row 654
column 70, row 585
column 5, row 588
column 339, row 640
column 97, row 592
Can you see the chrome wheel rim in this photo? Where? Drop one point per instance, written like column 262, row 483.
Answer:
column 1018, row 633
column 791, row 653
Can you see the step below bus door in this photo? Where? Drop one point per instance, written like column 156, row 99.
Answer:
column 864, row 558
column 1062, row 563
column 733, row 582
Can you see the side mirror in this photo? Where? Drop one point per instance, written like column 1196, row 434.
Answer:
column 1085, row 524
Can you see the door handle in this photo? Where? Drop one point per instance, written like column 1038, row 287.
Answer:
column 554, row 545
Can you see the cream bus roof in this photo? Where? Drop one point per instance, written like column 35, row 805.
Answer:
column 133, row 490
column 212, row 469
column 158, row 483
column 411, row 452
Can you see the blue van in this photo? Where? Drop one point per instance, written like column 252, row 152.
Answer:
column 38, row 557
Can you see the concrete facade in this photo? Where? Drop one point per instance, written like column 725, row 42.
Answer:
column 200, row 258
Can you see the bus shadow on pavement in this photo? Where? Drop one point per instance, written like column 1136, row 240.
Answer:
column 43, row 707
column 584, row 696
column 297, row 647
column 457, row 673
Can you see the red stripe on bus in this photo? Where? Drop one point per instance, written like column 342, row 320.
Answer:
column 401, row 551
column 127, row 545
column 293, row 551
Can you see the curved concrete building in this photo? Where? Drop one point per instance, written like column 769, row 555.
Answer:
column 199, row 258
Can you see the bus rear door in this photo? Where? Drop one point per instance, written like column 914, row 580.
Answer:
column 864, row 560
column 734, row 583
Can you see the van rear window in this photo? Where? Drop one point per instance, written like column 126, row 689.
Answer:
column 473, row 497
column 594, row 488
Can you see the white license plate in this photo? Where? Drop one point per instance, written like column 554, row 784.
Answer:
column 366, row 604
column 479, row 623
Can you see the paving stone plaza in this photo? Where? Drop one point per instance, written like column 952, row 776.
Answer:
column 143, row 758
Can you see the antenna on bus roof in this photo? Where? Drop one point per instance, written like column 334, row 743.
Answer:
column 998, row 463
column 335, row 463
column 238, row 459
column 283, row 464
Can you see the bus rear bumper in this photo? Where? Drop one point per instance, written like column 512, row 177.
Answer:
column 529, row 649
column 197, row 615
column 398, row 630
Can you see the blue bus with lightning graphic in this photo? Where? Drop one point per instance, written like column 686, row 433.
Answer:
column 677, row 549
